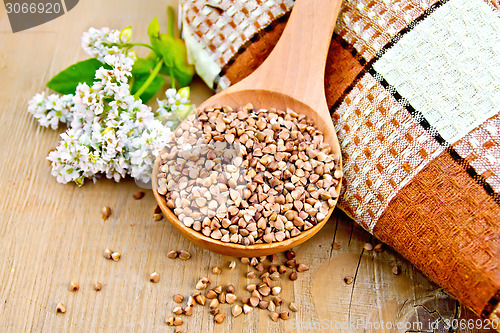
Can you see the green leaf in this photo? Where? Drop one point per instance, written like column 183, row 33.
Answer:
column 163, row 45
column 152, row 56
column 173, row 52
column 143, row 66
column 151, row 90
column 184, row 73
column 67, row 80
column 153, row 29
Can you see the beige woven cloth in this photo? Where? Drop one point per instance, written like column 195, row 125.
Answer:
column 414, row 91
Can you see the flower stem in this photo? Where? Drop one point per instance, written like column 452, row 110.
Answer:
column 172, row 78
column 129, row 45
column 150, row 79
column 171, row 18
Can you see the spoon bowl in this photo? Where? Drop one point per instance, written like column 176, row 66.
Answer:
column 291, row 77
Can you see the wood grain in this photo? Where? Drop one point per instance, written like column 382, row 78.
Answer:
column 51, row 234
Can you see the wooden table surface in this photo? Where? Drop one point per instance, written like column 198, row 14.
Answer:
column 51, row 234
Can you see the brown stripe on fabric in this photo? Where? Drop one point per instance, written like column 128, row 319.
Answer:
column 350, row 48
column 341, row 69
column 253, row 53
column 448, row 227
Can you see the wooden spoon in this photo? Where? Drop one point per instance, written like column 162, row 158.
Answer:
column 291, row 77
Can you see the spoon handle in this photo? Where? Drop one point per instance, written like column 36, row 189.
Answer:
column 296, row 66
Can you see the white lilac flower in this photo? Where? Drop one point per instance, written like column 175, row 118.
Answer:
column 51, row 110
column 102, row 42
column 111, row 134
column 176, row 107
column 146, row 147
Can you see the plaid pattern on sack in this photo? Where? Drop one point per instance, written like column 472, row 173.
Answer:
column 414, row 91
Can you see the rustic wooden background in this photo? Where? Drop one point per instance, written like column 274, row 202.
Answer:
column 51, row 234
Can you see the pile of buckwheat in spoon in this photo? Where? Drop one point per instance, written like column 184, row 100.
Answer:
column 249, row 176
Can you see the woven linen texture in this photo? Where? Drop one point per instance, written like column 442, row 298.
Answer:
column 447, row 69
column 221, row 28
column 447, row 225
column 382, row 147
column 481, row 148
column 368, row 25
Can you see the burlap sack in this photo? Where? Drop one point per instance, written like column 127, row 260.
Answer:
column 414, row 92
